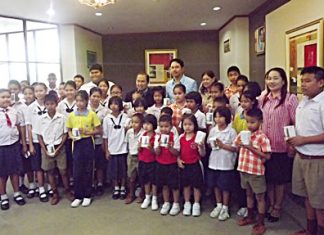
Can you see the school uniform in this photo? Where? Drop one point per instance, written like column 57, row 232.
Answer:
column 9, row 141
column 201, row 119
column 83, row 151
column 147, row 164
column 132, row 141
column 156, row 111
column 221, row 165
column 33, row 115
column 308, row 176
column 114, row 130
column 191, row 174
column 52, row 131
column 167, row 172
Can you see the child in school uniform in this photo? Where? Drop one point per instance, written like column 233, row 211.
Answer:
column 308, row 177
column 216, row 90
column 104, row 87
column 33, row 115
column 191, row 175
column 114, row 130
column 9, row 149
column 139, row 106
column 146, row 165
column 167, row 111
column 194, row 102
column 167, row 148
column 158, row 97
column 100, row 160
column 221, row 162
column 251, row 165
column 132, row 139
column 83, row 124
column 179, row 106
column 52, row 134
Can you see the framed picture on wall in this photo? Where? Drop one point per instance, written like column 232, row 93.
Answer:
column 157, row 64
column 227, row 45
column 91, row 58
column 304, row 47
column 259, row 36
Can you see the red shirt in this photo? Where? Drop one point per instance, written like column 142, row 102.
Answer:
column 189, row 150
column 145, row 154
column 166, row 157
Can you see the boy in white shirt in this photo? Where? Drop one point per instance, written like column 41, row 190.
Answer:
column 194, row 102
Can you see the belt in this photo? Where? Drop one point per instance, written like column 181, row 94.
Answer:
column 309, row 157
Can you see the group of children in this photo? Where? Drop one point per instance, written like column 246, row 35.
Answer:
column 191, row 144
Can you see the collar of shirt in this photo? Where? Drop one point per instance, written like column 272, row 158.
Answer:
column 4, row 109
column 98, row 109
column 140, row 132
column 67, row 103
column 180, row 81
column 318, row 98
column 255, row 134
column 113, row 117
column 56, row 115
column 270, row 97
column 225, row 130
column 83, row 113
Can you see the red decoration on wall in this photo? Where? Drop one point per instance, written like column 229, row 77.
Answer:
column 310, row 55
column 161, row 59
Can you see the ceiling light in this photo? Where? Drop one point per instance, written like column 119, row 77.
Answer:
column 216, row 8
column 203, row 24
column 97, row 3
column 98, row 14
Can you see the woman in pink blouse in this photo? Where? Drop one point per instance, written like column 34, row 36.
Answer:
column 278, row 107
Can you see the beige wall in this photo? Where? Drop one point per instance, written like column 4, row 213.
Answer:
column 238, row 33
column 291, row 15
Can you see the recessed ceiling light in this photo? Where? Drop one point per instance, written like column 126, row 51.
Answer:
column 216, row 8
column 98, row 14
column 50, row 12
column 203, row 24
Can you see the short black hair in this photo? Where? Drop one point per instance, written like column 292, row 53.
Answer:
column 167, row 110
column 251, row 96
column 51, row 97
column 70, row 83
column 242, row 78
column 166, row 118
column 180, row 86
column 219, row 85
column 233, row 69
column 194, row 95
column 255, row 113
column 14, row 82
column 95, row 89
column 116, row 100
column 30, row 88
column 253, row 87
column 221, row 99
column 116, row 86
column 140, row 102
column 104, row 81
column 140, row 116
column 317, row 71
column 177, row 60
column 192, row 118
column 159, row 89
column 25, row 81
column 146, row 76
column 150, row 118
column 79, row 76
column 96, row 67
column 83, row 95
column 224, row 112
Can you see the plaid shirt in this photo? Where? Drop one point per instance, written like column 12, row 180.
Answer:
column 177, row 114
column 249, row 162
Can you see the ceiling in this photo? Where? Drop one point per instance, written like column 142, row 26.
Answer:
column 134, row 16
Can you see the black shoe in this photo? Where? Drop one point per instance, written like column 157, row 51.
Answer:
column 5, row 204
column 100, row 190
column 36, row 192
column 43, row 197
column 31, row 193
column 122, row 194
column 115, row 195
column 273, row 219
column 19, row 200
column 23, row 189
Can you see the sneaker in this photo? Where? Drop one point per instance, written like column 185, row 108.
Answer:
column 165, row 208
column 76, row 203
column 175, row 209
column 196, row 209
column 86, row 202
column 186, row 209
column 258, row 229
column 154, row 204
column 242, row 212
column 223, row 215
column 146, row 203
column 215, row 213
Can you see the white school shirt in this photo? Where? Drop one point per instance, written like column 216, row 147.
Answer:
column 87, row 86
column 101, row 112
column 156, row 111
column 234, row 102
column 133, row 140
column 51, row 129
column 201, row 119
column 65, row 108
column 20, row 108
column 105, row 102
column 9, row 135
column 309, row 122
column 116, row 137
column 222, row 159
column 33, row 115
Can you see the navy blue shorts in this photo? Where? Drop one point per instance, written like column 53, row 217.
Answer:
column 100, row 159
column 146, row 172
column 36, row 160
column 9, row 163
column 118, row 166
column 224, row 180
column 167, row 175
column 68, row 151
column 192, row 175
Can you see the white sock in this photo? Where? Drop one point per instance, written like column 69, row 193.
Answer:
column 16, row 194
column 21, row 181
column 41, row 189
column 154, row 198
column 32, row 185
column 147, row 196
column 4, row 197
column 197, row 204
column 99, row 184
column 116, row 187
column 122, row 188
column 49, row 187
column 219, row 205
column 225, row 207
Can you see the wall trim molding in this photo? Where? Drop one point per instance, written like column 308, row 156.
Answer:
column 230, row 20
